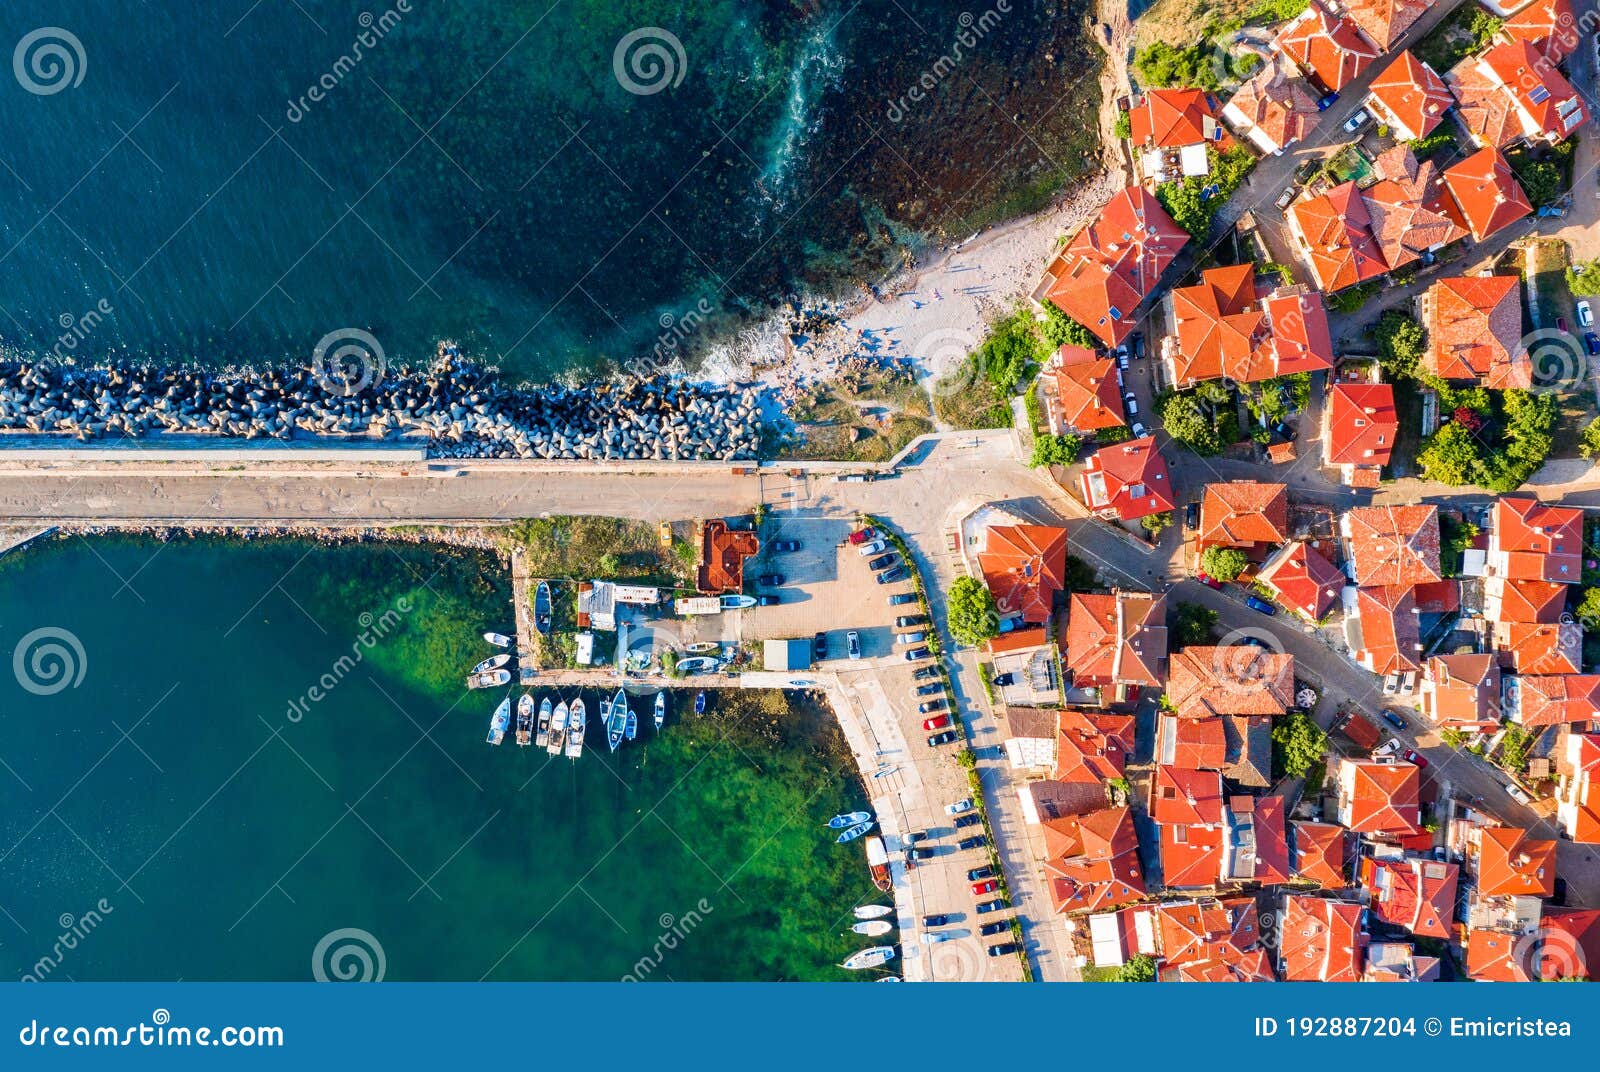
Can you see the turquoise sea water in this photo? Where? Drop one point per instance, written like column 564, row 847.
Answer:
column 477, row 170
column 169, row 817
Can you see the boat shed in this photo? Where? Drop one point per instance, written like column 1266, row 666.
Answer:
column 786, row 655
column 636, row 594
column 597, row 605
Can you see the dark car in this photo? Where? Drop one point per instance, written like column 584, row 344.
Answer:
column 980, row 872
column 882, row 562
column 784, row 547
column 1004, row 949
column 925, row 673
column 916, row 836
column 977, row 842
column 900, row 599
column 768, row 601
column 1394, row 720
column 916, row 653
column 1007, row 678
column 915, row 853
column 771, row 580
column 1591, row 342
column 1257, row 603
column 935, row 921
column 1327, row 102
column 999, row 926
column 932, row 688
column 926, row 706
column 819, row 646
column 937, row 739
column 967, row 820
column 906, row 621
column 1191, row 515
column 890, row 576
column 995, row 905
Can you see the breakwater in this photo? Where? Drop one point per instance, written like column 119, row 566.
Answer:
column 461, row 411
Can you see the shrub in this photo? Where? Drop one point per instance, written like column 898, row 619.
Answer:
column 1055, row 450
column 1589, row 441
column 971, row 614
column 1139, row 968
column 1059, row 329
column 1187, row 422
column 1156, row 524
column 1583, row 278
column 1124, row 126
column 1224, row 563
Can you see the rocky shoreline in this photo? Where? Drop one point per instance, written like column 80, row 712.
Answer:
column 461, row 411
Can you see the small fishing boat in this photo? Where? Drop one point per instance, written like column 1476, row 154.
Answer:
column 738, row 602
column 884, row 772
column 889, row 979
column 525, row 720
column 868, row 958
column 699, row 664
column 500, row 721
column 699, row 703
column 632, row 729
column 577, row 720
column 541, row 608
column 489, row 679
column 660, row 710
column 873, row 928
column 558, row 730
column 543, row 738
column 704, row 647
column 872, row 911
column 839, row 822
column 853, row 833
column 617, row 720
column 493, row 662
column 499, row 640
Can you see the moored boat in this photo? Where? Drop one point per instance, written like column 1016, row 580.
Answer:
column 543, row 739
column 617, row 720
column 839, row 822
column 541, row 608
column 704, row 647
column 738, row 602
column 558, row 729
column 499, row 721
column 489, row 679
column 525, row 720
column 493, row 662
column 872, row 911
column 699, row 703
column 873, row 927
column 632, row 729
column 499, row 640
column 577, row 722
column 660, row 710
column 878, row 864
column 853, row 833
column 699, row 664
column 868, row 958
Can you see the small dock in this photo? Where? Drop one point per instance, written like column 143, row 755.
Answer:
column 522, row 605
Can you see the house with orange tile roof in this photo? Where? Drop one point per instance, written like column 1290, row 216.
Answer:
column 1080, row 393
column 1256, row 840
column 1510, row 93
column 1092, row 861
column 1398, row 962
column 1333, row 234
column 1539, row 648
column 1191, row 743
column 1112, row 265
column 1173, row 119
column 1569, row 944
column 1506, row 862
column 1578, row 788
column 1384, row 22
column 1475, row 331
column 1495, row 956
column 1209, row 940
column 1092, row 746
column 1117, row 641
column 1391, row 634
column 1538, row 700
column 1274, row 108
column 1247, row 514
column 1127, row 480
column 1392, row 545
column 1486, row 194
column 1548, row 25
column 1329, row 48
column 1359, row 428
column 1319, row 940
column 1249, row 758
column 1227, row 326
column 1462, row 692
column 1235, row 680
column 1534, row 541
column 722, row 555
column 1410, row 97
column 1524, row 601
column 1318, row 854
column 1379, row 799
column 1416, row 893
column 1409, row 210
column 1303, row 580
column 1187, row 806
column 1024, row 567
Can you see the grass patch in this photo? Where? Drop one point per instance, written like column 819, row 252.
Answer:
column 1466, row 30
column 607, row 548
column 865, row 417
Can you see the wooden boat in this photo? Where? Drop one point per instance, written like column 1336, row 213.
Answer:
column 577, row 720
column 499, row 640
column 493, row 662
column 660, row 710
column 872, row 911
column 853, row 833
column 873, row 928
column 631, row 731
column 541, row 608
column 558, row 730
column 499, row 722
column 543, row 738
column 525, row 720
column 868, row 958
column 704, row 647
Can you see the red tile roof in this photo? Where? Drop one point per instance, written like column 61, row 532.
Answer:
column 1301, row 340
column 1319, row 852
column 1085, row 397
column 1025, row 567
column 1569, row 945
column 1554, row 699
column 1326, row 45
column 1338, row 238
column 1303, row 580
column 1225, row 327
column 1243, row 513
column 1170, row 118
column 1092, row 861
column 1511, row 864
column 1210, row 941
column 1385, row 21
column 1538, row 541
column 1362, row 424
column 1191, row 856
column 1129, row 479
column 1475, row 331
column 1579, row 812
column 1184, row 797
column 1487, row 111
column 1272, row 840
column 1498, row 957
column 1394, row 544
column 1413, row 93
column 1277, row 102
column 722, row 555
column 1540, row 648
column 1113, row 264
column 1234, row 680
column 1391, row 637
column 1417, row 894
column 1092, row 746
column 1408, row 210
column 1486, row 192
column 1542, row 94
column 1547, row 25
column 1192, row 743
column 1464, row 691
column 1531, row 601
column 1379, row 798
column 1117, row 639
column 1320, row 940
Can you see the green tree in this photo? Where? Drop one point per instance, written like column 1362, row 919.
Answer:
column 1514, row 748
column 1054, row 450
column 1401, row 344
column 1224, row 563
column 1188, row 423
column 1589, row 441
column 1583, row 278
column 1124, row 126
column 972, row 616
column 1298, row 743
column 1451, row 456
column 1139, row 968
column 1156, row 524
column 1059, row 329
column 1009, row 352
column 1192, row 625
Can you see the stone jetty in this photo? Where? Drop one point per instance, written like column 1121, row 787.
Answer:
column 463, row 412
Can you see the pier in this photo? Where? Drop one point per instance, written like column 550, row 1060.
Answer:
column 522, row 606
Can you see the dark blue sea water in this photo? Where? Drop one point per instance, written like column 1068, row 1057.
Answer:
column 478, row 170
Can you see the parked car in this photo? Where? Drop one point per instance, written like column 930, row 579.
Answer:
column 861, row 536
column 1327, row 102
column 890, row 576
column 784, row 547
column 936, row 723
column 1131, row 403
column 964, row 821
column 932, row 688
column 916, row 836
column 1208, row 580
column 1411, row 755
column 768, row 600
column 935, row 920
column 1394, row 720
column 1137, row 429
column 910, row 638
column 916, row 654
column 876, row 547
column 1591, row 342
column 1257, row 603
column 1391, row 684
column 1355, row 122
column 924, row 673
column 1007, row 678
column 1004, row 949
column 946, row 737
column 1518, row 795
column 906, row 621
column 985, row 907
column 1287, row 196
column 900, row 599
column 1122, row 357
column 958, row 807
column 1408, row 683
column 853, row 639
column 1561, row 322
column 882, row 562
column 980, row 873
column 975, row 842
column 1388, row 748
column 914, row 853
column 771, row 580
column 988, row 885
column 935, row 937
column 928, row 707
column 999, row 926
column 1585, row 315
column 819, row 646
column 1191, row 516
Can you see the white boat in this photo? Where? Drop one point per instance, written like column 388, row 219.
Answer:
column 577, row 720
column 616, row 717
column 839, row 822
column 660, row 710
column 499, row 722
column 632, row 729
column 543, row 738
column 853, row 833
column 499, row 640
column 700, row 664
column 738, row 602
column 872, row 911
column 558, row 730
column 873, row 928
column 704, row 647
column 525, row 720
column 868, row 958
column 888, row 979
column 490, row 679
column 493, row 662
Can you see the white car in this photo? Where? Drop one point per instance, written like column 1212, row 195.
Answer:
column 1137, row 429
column 958, row 807
column 1391, row 684
column 853, row 642
column 935, row 937
column 1355, row 122
column 1518, row 795
column 867, row 550
column 1585, row 315
column 1388, row 748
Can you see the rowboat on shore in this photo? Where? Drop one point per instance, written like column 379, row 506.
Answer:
column 853, row 833
column 700, row 664
column 868, row 958
column 704, row 647
column 525, row 720
column 541, row 608
column 493, row 662
column 738, row 602
column 499, row 722
column 873, row 928
column 840, row 822
column 558, row 730
column 543, row 738
column 660, row 710
column 577, row 720
column 872, row 911
column 499, row 640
